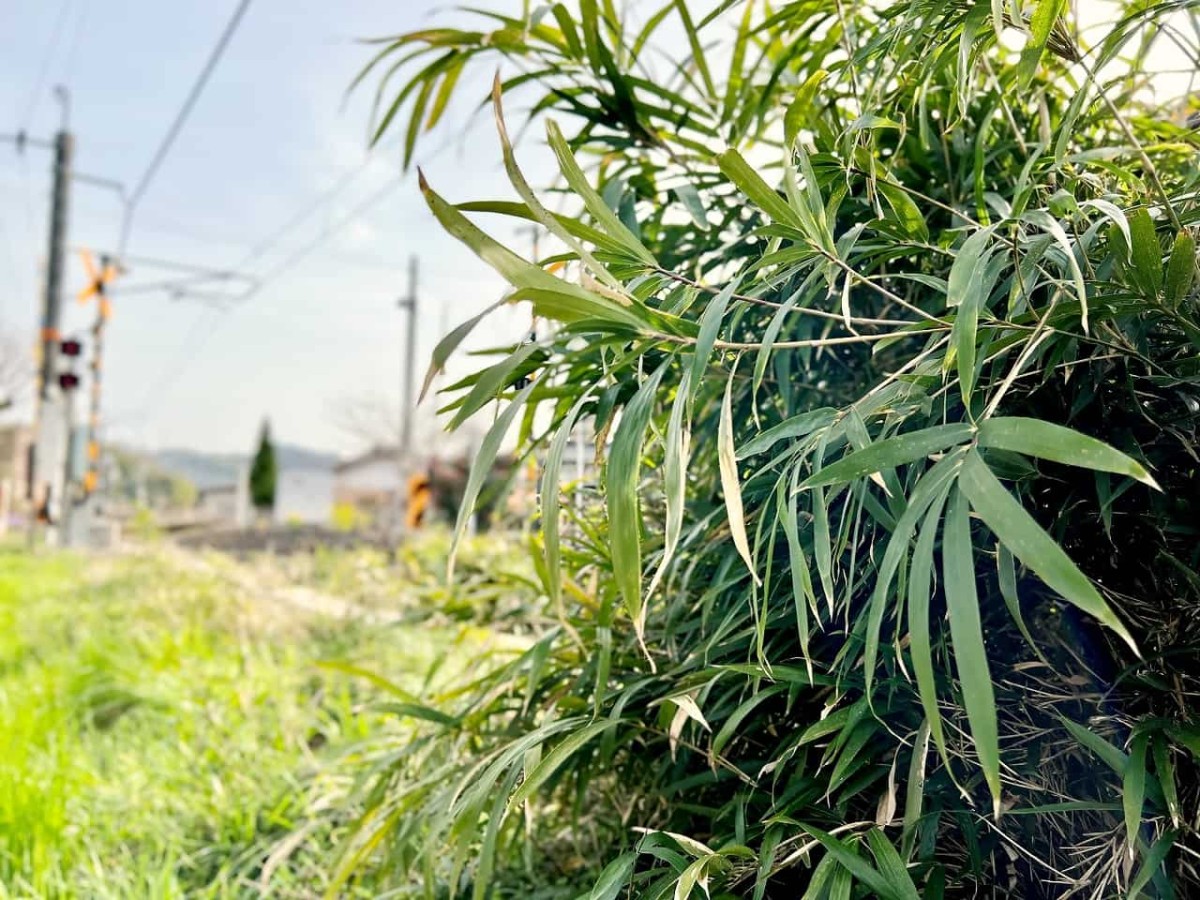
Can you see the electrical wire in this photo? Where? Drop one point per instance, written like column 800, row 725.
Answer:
column 180, row 118
column 35, row 95
column 171, row 376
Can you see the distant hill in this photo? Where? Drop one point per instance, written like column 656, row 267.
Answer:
column 206, row 470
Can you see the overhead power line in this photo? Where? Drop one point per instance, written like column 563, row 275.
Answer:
column 35, row 95
column 207, row 324
column 181, row 117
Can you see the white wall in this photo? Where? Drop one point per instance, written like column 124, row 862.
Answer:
column 304, row 495
column 378, row 475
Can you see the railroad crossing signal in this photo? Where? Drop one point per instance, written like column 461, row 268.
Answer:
column 420, row 493
column 99, row 278
column 98, row 281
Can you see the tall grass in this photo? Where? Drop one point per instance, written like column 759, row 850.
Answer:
column 159, row 729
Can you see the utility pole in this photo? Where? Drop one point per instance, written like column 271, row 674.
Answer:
column 408, row 374
column 408, row 367
column 49, row 446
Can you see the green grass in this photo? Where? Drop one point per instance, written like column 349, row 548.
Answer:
column 158, row 728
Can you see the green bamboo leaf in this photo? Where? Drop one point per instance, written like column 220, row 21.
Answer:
column 675, row 463
column 710, row 327
column 967, row 289
column 891, row 866
column 800, row 111
column 789, row 429
column 914, row 794
column 803, row 596
column 1165, row 770
column 578, row 182
column 966, row 633
column 481, row 468
column 1110, row 755
column 698, row 56
column 550, row 493
column 543, row 215
column 566, row 24
column 552, row 761
column 1045, row 440
column 1146, row 253
column 567, row 298
column 570, row 307
column 730, row 726
column 693, row 204
column 891, row 452
column 1051, row 226
column 614, row 879
column 862, row 870
column 621, row 488
column 1006, row 571
column 1040, row 26
column 907, row 213
column 1133, row 792
column 730, row 483
column 1181, row 268
column 447, row 345
column 490, row 382
column 1018, row 531
column 1151, row 866
column 931, row 489
column 761, row 194
column 920, row 592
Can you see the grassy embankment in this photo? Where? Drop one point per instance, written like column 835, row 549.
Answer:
column 158, row 727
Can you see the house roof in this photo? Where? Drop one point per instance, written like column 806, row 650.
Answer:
column 374, row 455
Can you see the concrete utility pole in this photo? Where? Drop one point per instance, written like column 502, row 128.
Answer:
column 408, row 366
column 50, row 446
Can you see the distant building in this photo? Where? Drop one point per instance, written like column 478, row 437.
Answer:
column 370, row 485
column 221, row 503
column 15, row 443
column 304, row 496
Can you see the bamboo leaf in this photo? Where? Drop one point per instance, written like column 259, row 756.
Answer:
column 675, row 463
column 1026, row 540
column 789, row 429
column 481, row 467
column 889, row 453
column 1181, row 268
column 578, row 181
column 1133, row 793
column 800, row 110
column 621, row 489
column 710, row 327
column 550, row 494
column 920, row 592
column 761, row 194
column 447, row 345
column 1146, row 254
column 967, row 289
column 1045, row 440
column 730, row 483
column 862, row 870
column 891, row 866
column 966, row 632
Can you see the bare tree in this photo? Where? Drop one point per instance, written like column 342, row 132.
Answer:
column 371, row 420
column 16, row 371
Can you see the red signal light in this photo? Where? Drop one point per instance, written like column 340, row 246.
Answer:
column 70, row 347
column 68, row 381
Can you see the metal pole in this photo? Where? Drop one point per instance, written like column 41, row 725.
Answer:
column 46, row 472
column 407, row 303
column 409, row 366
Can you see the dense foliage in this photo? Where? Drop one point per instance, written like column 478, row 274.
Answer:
column 264, row 471
column 884, row 317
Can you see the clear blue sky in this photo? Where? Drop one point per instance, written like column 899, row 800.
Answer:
column 271, row 133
